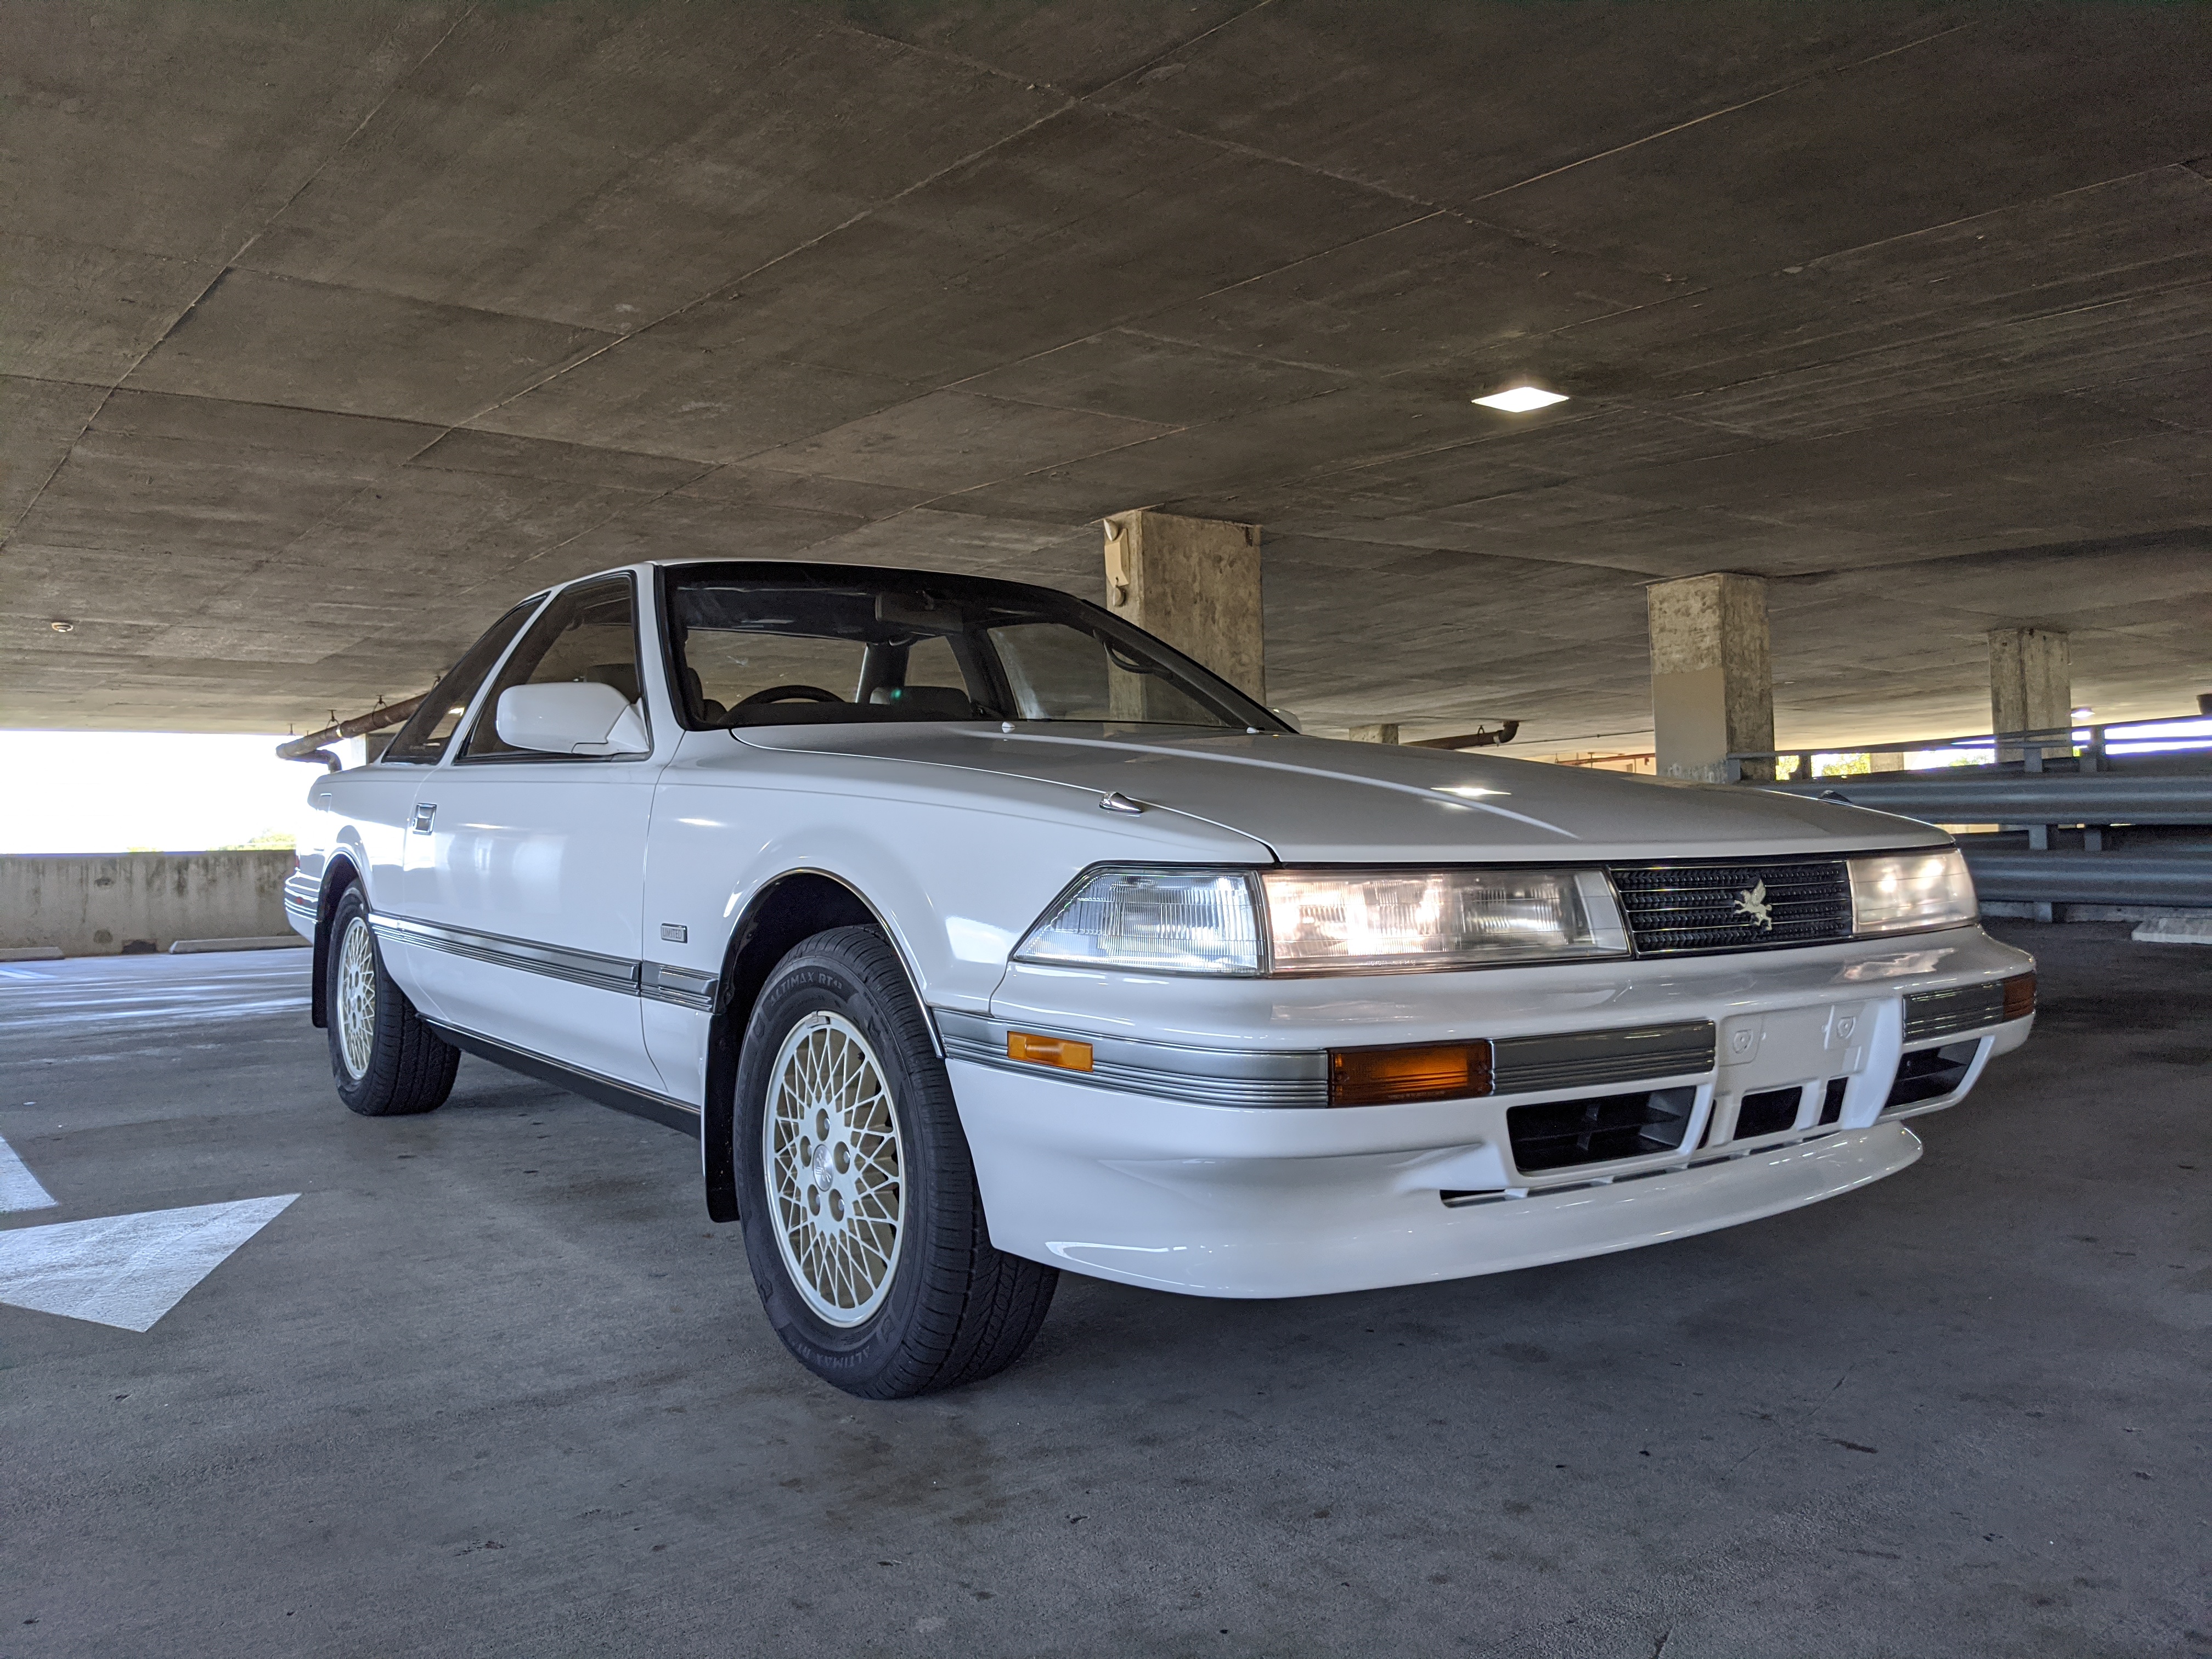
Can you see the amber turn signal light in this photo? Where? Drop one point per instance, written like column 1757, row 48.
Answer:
column 2020, row 996
column 1064, row 1052
column 1397, row 1077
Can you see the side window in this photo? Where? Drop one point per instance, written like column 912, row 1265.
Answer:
column 430, row 728
column 588, row 633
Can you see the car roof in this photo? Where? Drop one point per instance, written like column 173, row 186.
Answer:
column 810, row 570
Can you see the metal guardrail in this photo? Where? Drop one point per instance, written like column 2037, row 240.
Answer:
column 2180, row 879
column 2022, row 797
column 2092, row 745
column 2020, row 792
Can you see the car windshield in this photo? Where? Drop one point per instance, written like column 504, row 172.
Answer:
column 755, row 645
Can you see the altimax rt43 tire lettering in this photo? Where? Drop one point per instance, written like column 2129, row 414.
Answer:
column 862, row 1222
column 385, row 1061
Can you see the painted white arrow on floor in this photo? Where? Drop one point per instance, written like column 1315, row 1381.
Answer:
column 19, row 1188
column 126, row 1270
column 121, row 1270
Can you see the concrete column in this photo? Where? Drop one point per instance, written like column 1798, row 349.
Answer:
column 1893, row 761
column 1194, row 582
column 1386, row 733
column 2030, row 680
column 1712, row 679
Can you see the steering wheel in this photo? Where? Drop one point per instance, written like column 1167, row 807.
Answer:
column 790, row 693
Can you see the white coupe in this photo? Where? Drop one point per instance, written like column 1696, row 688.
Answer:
column 977, row 935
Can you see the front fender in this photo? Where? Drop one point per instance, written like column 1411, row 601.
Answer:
column 955, row 876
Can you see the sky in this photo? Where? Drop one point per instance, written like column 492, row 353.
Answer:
column 165, row 792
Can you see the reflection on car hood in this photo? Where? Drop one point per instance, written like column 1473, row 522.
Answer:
column 1317, row 800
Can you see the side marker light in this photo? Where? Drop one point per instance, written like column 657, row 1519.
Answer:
column 2020, row 996
column 1066, row 1053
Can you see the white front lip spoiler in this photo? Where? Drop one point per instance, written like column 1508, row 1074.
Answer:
column 1305, row 1225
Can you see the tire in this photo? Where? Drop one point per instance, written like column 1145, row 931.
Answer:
column 385, row 1061
column 870, row 1249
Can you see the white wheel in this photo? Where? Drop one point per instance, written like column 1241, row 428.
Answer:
column 355, row 1013
column 830, row 1144
column 847, row 1140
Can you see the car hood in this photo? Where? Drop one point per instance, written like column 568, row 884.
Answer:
column 1318, row 800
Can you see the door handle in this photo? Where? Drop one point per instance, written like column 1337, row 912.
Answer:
column 425, row 811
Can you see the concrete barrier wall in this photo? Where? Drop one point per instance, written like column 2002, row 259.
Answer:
column 108, row 904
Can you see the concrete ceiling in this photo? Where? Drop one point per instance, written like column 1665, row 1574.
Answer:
column 330, row 329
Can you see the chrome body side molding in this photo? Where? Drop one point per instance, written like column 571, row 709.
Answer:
column 684, row 987
column 626, row 976
column 1577, row 1060
column 1299, row 1078
column 1205, row 1077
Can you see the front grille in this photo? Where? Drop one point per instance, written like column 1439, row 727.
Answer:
column 1931, row 1073
column 1966, row 1008
column 1832, row 1103
column 1561, row 1133
column 1765, row 904
column 1768, row 1112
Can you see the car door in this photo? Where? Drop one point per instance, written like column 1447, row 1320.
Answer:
column 524, row 870
column 731, row 648
column 382, row 803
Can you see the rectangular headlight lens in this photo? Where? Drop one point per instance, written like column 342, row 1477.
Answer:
column 1905, row 891
column 1323, row 920
column 1181, row 922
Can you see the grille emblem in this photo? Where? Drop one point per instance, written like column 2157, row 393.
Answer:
column 1751, row 903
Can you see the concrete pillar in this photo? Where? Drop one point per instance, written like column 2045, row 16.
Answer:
column 2030, row 680
column 1893, row 761
column 1712, row 679
column 1386, row 733
column 1194, row 582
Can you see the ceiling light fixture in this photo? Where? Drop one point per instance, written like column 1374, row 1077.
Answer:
column 61, row 627
column 1521, row 399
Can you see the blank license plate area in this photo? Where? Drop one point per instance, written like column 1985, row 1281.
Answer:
column 1793, row 1045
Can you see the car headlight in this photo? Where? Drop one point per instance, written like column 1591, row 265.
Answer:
column 1332, row 920
column 1181, row 921
column 1320, row 922
column 1902, row 892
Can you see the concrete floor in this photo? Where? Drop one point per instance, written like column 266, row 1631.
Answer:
column 494, row 1385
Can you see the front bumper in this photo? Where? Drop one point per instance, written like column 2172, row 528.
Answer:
column 1114, row 1176
column 302, row 893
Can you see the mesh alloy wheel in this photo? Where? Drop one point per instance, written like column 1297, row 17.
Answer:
column 385, row 1060
column 864, row 1228
column 356, row 998
column 834, row 1163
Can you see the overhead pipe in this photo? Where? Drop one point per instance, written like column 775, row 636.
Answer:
column 310, row 747
column 1505, row 733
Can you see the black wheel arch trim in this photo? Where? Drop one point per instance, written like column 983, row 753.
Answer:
column 738, row 988
column 338, row 874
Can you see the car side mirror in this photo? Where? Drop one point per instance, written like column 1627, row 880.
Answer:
column 577, row 717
